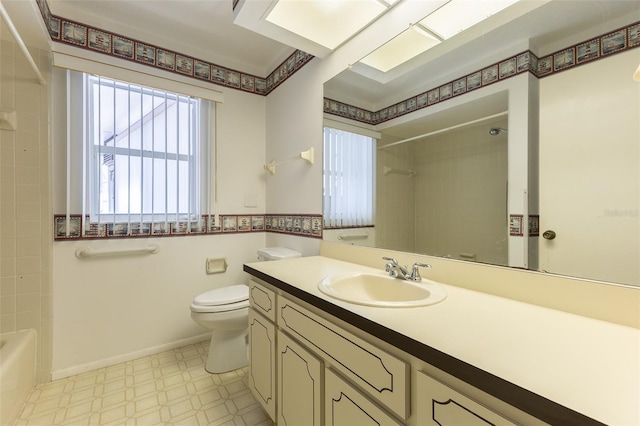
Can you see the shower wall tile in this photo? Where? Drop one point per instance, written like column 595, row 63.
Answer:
column 25, row 232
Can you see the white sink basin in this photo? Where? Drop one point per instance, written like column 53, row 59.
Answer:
column 382, row 290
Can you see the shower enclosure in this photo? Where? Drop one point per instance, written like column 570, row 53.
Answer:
column 446, row 194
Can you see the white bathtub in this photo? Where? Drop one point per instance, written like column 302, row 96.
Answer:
column 17, row 372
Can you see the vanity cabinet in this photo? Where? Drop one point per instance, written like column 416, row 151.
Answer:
column 306, row 368
column 379, row 375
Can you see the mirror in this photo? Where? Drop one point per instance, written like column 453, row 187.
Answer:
column 565, row 164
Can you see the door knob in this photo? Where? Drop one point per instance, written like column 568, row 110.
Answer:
column 549, row 235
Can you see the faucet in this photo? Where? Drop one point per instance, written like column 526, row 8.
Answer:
column 401, row 272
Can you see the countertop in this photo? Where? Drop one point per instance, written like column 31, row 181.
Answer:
column 538, row 359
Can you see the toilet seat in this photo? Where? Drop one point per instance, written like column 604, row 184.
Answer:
column 222, row 299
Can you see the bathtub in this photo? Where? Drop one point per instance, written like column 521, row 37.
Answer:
column 17, row 372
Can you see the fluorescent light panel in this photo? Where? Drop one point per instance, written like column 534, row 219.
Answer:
column 326, row 22
column 458, row 15
column 400, row 49
column 451, row 19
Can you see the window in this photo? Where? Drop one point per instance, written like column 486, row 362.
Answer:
column 348, row 179
column 146, row 153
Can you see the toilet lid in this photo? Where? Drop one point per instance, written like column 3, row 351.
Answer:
column 223, row 296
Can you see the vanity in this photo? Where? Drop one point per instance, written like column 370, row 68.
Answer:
column 472, row 358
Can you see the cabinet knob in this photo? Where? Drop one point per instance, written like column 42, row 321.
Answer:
column 549, row 235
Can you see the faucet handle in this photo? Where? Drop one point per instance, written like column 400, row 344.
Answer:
column 415, row 273
column 395, row 262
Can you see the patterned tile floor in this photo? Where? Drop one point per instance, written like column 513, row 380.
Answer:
column 169, row 388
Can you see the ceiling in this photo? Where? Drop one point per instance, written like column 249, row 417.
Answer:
column 209, row 30
column 200, row 28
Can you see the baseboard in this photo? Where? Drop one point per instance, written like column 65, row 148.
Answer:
column 79, row 369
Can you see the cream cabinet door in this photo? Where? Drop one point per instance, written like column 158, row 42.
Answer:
column 299, row 384
column 262, row 350
column 345, row 406
column 441, row 405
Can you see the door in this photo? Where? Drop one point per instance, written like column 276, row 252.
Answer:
column 589, row 171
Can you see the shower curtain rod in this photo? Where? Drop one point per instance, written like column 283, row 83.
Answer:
column 500, row 114
column 23, row 47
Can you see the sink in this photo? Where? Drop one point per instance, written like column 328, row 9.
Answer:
column 381, row 290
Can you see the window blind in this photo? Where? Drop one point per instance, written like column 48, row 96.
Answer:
column 146, row 160
column 348, row 179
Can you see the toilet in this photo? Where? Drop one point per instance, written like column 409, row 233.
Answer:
column 225, row 312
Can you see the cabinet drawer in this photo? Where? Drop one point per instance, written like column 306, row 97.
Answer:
column 438, row 404
column 262, row 300
column 345, row 406
column 382, row 376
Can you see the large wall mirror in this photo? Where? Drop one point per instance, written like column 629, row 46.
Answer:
column 482, row 175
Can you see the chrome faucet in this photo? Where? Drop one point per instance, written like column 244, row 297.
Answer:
column 401, row 272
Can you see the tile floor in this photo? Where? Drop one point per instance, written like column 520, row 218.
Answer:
column 169, row 388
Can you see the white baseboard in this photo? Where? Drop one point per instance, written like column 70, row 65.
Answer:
column 79, row 369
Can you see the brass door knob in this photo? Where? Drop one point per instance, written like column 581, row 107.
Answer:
column 549, row 235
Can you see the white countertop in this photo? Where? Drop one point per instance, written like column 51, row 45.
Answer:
column 587, row 365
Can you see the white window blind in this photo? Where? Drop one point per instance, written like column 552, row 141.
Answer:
column 146, row 157
column 348, row 179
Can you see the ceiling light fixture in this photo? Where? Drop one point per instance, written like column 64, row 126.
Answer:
column 401, row 48
column 458, row 15
column 449, row 20
column 326, row 22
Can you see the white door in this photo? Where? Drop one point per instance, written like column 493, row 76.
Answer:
column 590, row 171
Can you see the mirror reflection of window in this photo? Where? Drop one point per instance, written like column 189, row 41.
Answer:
column 348, row 179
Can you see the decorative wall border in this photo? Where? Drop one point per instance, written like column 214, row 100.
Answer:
column 619, row 40
column 83, row 36
column 293, row 224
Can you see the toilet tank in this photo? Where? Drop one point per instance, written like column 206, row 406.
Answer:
column 276, row 253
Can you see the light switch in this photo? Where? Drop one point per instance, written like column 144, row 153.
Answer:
column 251, row 200
column 216, row 265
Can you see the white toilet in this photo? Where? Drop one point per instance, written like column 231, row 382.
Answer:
column 225, row 312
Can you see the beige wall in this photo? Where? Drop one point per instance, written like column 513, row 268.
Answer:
column 25, row 213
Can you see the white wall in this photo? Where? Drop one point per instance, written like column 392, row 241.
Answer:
column 111, row 309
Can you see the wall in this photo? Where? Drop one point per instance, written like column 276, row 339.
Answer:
column 294, row 124
column 25, row 212
column 117, row 308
